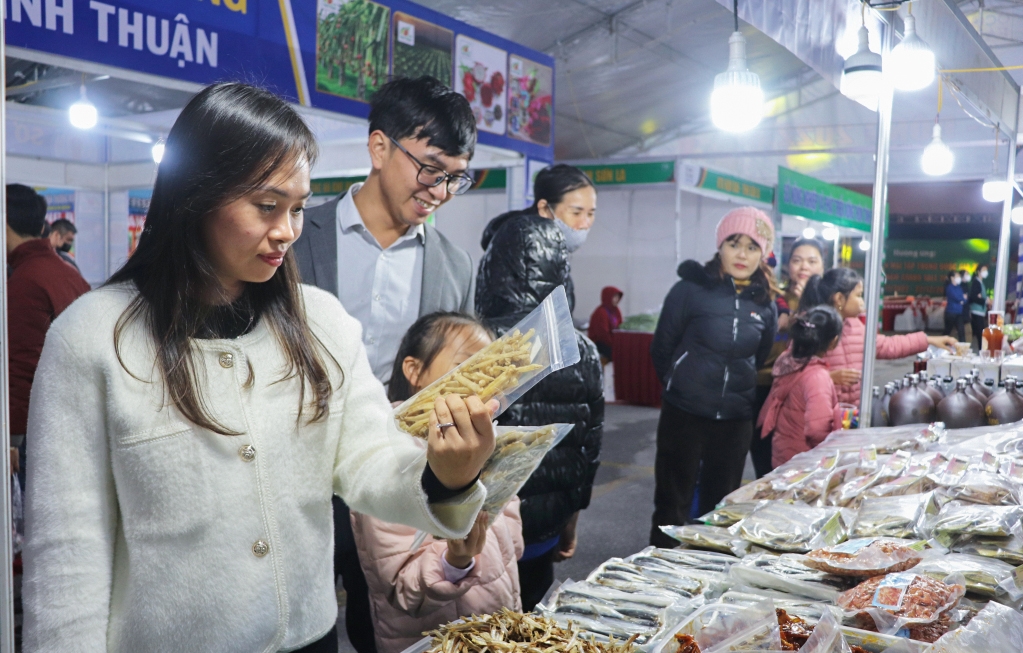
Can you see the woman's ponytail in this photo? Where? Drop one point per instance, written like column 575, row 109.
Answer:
column 813, row 330
column 820, row 290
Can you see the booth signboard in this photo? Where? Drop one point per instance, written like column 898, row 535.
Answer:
column 331, row 186
column 530, row 100
column 60, row 204
column 919, row 267
column 694, row 176
column 138, row 208
column 811, row 198
column 328, row 54
column 489, row 179
column 655, row 172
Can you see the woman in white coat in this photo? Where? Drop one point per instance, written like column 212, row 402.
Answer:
column 191, row 419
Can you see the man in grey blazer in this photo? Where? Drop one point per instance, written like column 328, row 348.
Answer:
column 371, row 246
column 373, row 249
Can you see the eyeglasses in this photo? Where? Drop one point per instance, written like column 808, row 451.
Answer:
column 432, row 176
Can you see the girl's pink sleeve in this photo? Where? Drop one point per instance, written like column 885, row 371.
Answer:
column 821, row 402
column 413, row 581
column 889, row 347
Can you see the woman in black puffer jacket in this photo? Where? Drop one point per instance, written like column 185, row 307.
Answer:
column 716, row 328
column 526, row 259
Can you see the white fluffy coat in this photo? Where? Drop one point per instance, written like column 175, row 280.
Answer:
column 141, row 525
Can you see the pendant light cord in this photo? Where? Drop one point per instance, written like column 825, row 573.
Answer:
column 735, row 13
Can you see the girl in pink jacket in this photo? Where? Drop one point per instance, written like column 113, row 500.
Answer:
column 412, row 591
column 800, row 409
column 842, row 288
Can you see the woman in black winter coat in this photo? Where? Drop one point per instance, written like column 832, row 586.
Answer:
column 526, row 258
column 716, row 329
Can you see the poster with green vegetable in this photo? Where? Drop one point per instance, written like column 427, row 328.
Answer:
column 480, row 76
column 351, row 47
column 422, row 48
column 530, row 100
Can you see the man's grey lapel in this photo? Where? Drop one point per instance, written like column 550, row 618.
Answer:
column 322, row 243
column 433, row 271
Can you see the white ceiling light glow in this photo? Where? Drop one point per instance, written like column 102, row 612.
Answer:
column 809, row 232
column 864, row 245
column 737, row 102
column 861, row 78
column 83, row 114
column 1017, row 214
column 158, row 151
column 995, row 189
column 937, row 160
column 829, row 233
column 911, row 63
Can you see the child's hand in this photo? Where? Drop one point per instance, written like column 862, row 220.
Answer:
column 845, row 377
column 461, row 552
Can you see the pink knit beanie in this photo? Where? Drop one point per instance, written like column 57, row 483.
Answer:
column 748, row 221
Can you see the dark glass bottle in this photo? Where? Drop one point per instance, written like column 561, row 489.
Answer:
column 961, row 409
column 978, row 382
column 927, row 387
column 890, row 389
column 973, row 388
column 1005, row 407
column 911, row 405
column 948, row 385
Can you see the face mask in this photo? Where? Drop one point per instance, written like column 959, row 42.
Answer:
column 957, row 280
column 66, row 247
column 983, row 274
column 574, row 238
column 966, row 277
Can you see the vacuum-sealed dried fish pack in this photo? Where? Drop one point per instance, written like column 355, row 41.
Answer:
column 712, row 538
column 886, row 439
column 990, row 488
column 729, row 514
column 518, row 451
column 865, row 557
column 722, row 627
column 792, row 527
column 959, row 520
column 699, row 560
column 995, row 629
column 542, row 342
column 985, row 576
column 898, row 517
column 1007, row 549
column 631, row 577
column 903, row 600
column 789, row 574
column 853, row 491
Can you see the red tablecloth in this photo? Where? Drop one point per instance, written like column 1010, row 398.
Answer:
column 635, row 380
column 888, row 314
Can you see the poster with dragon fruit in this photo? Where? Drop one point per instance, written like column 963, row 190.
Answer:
column 530, row 106
column 480, row 76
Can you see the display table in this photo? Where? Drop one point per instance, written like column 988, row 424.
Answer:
column 635, row 380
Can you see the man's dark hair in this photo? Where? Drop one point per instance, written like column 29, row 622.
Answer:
column 424, row 108
column 26, row 211
column 63, row 227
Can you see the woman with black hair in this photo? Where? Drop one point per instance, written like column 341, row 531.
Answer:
column 716, row 329
column 526, row 258
column 800, row 411
column 806, row 258
column 842, row 289
column 192, row 418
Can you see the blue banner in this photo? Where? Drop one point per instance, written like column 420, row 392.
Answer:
column 330, row 54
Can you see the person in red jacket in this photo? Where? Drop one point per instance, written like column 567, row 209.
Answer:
column 604, row 320
column 800, row 409
column 39, row 287
column 842, row 288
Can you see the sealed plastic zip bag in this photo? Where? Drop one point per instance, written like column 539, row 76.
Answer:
column 897, row 517
column 517, row 453
column 995, row 629
column 906, row 600
column 865, row 557
column 542, row 342
column 792, row 527
column 712, row 538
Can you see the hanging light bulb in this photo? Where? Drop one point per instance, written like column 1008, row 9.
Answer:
column 809, row 232
column 864, row 245
column 996, row 188
column 861, row 78
column 83, row 114
column 829, row 232
column 158, row 151
column 737, row 101
column 911, row 63
column 1017, row 213
column 937, row 159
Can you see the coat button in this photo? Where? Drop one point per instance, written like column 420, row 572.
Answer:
column 260, row 548
column 227, row 360
column 247, row 453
